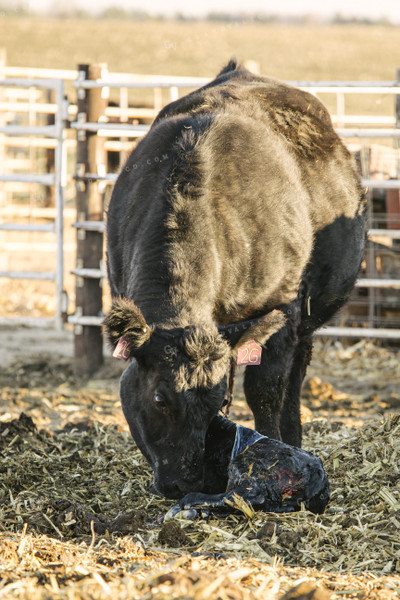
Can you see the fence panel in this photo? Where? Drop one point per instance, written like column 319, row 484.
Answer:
column 54, row 132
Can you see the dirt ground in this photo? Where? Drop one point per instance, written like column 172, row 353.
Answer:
column 78, row 520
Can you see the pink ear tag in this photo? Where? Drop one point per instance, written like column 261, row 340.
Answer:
column 249, row 354
column 122, row 349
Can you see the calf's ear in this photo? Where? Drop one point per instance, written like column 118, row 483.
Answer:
column 125, row 320
column 259, row 330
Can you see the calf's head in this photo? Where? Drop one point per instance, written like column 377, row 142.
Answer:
column 173, row 387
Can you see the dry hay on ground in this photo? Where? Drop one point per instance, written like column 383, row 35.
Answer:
column 77, row 519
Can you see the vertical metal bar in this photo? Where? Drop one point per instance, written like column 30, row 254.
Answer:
column 3, row 155
column 32, row 122
column 340, row 108
column 158, row 99
column 124, row 105
column 393, row 196
column 173, row 93
column 397, row 116
column 59, row 168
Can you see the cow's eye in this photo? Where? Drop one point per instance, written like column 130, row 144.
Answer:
column 159, row 401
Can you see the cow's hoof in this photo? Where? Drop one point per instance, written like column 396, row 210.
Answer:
column 177, row 512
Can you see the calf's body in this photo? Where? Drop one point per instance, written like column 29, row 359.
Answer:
column 267, row 474
column 239, row 216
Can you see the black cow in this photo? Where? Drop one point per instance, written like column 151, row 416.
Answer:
column 238, row 217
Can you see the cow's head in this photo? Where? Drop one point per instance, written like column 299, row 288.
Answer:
column 173, row 387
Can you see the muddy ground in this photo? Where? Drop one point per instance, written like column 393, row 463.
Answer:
column 78, row 520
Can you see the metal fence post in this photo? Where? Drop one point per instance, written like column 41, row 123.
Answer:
column 393, row 196
column 59, row 185
column 90, row 159
column 3, row 61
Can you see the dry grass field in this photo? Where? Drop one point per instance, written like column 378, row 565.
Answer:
column 200, row 49
column 77, row 518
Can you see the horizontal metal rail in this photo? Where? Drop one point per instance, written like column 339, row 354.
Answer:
column 350, row 87
column 98, row 226
column 34, row 322
column 394, row 234
column 40, row 275
column 45, row 130
column 85, row 320
column 393, row 284
column 355, row 87
column 111, row 177
column 359, row 332
column 367, row 85
column 157, row 80
column 49, row 84
column 382, row 184
column 45, row 179
column 40, row 227
column 368, row 133
column 90, row 84
column 89, row 273
column 111, row 127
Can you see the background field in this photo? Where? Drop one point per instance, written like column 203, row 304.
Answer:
column 200, row 49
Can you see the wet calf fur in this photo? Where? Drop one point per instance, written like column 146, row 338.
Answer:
column 267, row 474
column 238, row 216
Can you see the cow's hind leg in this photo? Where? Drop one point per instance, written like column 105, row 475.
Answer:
column 290, row 421
column 265, row 384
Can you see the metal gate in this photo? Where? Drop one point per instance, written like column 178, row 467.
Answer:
column 56, row 180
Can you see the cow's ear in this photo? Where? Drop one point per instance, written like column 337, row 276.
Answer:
column 125, row 320
column 259, row 330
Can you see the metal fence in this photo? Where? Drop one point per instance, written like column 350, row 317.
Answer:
column 115, row 127
column 340, row 89
column 56, row 180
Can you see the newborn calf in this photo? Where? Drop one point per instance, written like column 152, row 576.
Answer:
column 266, row 473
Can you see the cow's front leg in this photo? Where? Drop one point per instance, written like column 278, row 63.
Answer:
column 265, row 384
column 290, row 421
